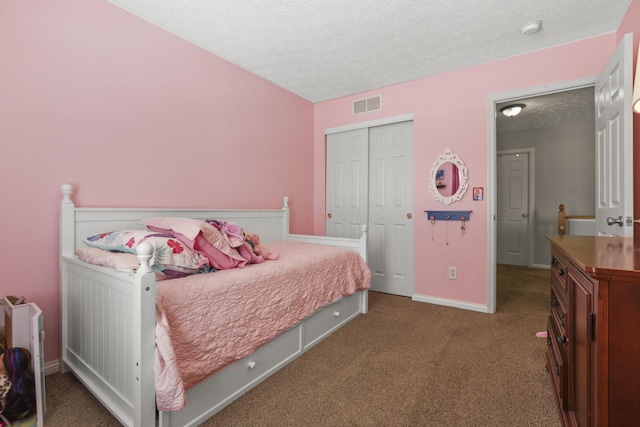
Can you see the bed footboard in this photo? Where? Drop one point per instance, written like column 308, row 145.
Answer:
column 103, row 342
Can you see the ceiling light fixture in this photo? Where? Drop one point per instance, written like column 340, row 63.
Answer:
column 512, row 110
column 531, row 28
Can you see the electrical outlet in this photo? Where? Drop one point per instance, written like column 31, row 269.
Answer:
column 453, row 273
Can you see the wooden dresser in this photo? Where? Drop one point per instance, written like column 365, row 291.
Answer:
column 593, row 353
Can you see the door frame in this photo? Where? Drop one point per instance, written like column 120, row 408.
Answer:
column 531, row 152
column 491, row 165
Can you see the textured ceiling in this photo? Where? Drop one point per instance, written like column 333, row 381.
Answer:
column 560, row 108
column 325, row 49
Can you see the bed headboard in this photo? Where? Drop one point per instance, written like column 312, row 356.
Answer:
column 78, row 223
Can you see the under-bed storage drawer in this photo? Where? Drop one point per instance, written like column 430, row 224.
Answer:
column 330, row 318
column 233, row 380
column 264, row 358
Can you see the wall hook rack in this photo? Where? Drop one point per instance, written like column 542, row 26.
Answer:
column 448, row 215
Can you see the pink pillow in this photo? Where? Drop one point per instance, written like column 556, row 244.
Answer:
column 199, row 236
column 119, row 260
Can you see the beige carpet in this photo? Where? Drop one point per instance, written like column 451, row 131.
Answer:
column 404, row 363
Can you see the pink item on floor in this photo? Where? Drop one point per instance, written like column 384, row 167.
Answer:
column 542, row 334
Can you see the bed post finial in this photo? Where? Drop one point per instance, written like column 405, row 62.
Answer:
column 66, row 190
column 144, row 252
column 285, row 202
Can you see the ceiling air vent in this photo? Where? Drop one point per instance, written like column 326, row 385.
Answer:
column 361, row 106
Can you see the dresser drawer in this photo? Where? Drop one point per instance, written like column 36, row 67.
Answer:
column 557, row 366
column 559, row 272
column 558, row 311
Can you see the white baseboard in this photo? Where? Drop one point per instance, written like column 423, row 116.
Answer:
column 52, row 367
column 450, row 303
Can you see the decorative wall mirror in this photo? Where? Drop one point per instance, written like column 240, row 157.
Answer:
column 448, row 181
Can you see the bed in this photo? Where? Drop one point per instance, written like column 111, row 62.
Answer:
column 114, row 323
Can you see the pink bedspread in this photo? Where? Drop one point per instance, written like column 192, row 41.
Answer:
column 207, row 321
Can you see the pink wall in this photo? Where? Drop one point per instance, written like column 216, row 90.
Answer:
column 93, row 96
column 131, row 115
column 451, row 111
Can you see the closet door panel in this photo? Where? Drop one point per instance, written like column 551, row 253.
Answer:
column 391, row 207
column 347, row 183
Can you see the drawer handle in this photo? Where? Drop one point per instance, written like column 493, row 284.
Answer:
column 549, row 342
column 336, row 314
column 554, row 301
column 553, row 261
column 252, row 364
column 557, row 369
column 562, row 319
column 562, row 339
column 561, row 272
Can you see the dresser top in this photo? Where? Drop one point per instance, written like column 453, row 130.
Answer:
column 601, row 255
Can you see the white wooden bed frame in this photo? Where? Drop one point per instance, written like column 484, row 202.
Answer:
column 108, row 317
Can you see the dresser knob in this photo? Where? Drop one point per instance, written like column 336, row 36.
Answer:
column 562, row 339
column 561, row 272
column 252, row 364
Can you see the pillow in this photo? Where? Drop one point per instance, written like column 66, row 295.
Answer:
column 118, row 260
column 171, row 257
column 199, row 236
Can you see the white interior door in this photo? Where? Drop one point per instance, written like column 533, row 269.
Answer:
column 614, row 144
column 513, row 208
column 347, row 183
column 390, row 246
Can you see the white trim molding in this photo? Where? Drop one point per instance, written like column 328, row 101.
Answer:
column 371, row 123
column 450, row 303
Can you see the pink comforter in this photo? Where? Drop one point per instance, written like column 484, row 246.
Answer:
column 207, row 321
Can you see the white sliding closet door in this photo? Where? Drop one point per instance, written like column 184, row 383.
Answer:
column 347, row 183
column 370, row 181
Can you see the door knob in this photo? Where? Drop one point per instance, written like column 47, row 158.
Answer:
column 524, row 215
column 409, row 216
column 612, row 221
column 329, row 215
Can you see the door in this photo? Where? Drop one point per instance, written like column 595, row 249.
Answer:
column 347, row 183
column 390, row 247
column 614, row 144
column 513, row 208
column 370, row 181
